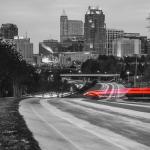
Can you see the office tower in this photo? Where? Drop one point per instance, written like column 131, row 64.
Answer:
column 70, row 29
column 95, row 31
column 8, row 31
column 143, row 40
column 25, row 48
column 112, row 34
column 75, row 29
column 63, row 27
column 126, row 47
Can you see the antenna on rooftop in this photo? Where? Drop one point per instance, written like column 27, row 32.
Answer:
column 148, row 18
column 64, row 13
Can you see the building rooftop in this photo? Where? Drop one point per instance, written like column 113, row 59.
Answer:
column 94, row 10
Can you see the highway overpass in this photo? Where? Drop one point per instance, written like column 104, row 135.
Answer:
column 87, row 76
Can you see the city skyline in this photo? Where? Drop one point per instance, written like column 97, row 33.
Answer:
column 40, row 19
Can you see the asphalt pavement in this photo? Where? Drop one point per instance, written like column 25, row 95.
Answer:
column 76, row 124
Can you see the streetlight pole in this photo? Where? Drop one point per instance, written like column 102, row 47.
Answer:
column 135, row 75
column 142, row 75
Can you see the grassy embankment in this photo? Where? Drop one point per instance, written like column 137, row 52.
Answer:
column 14, row 134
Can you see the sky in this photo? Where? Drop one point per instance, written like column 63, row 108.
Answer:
column 40, row 18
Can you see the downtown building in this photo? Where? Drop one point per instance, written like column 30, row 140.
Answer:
column 75, row 29
column 95, row 31
column 8, row 31
column 70, row 29
column 47, row 47
column 130, row 44
column 25, row 48
column 143, row 39
column 66, row 59
column 48, row 51
column 126, row 47
column 148, row 46
column 112, row 34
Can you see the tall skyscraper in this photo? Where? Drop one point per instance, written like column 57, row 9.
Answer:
column 75, row 29
column 112, row 34
column 63, row 27
column 95, row 31
column 70, row 29
column 8, row 31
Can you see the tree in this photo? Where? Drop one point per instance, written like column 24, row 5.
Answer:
column 109, row 64
column 14, row 69
column 147, row 73
column 90, row 66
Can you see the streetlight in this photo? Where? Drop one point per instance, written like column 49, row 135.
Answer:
column 128, row 75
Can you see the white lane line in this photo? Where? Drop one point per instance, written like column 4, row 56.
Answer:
column 105, row 134
column 125, row 103
column 129, row 112
column 55, row 129
column 63, row 116
column 133, row 122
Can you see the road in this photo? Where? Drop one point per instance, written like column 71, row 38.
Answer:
column 81, row 124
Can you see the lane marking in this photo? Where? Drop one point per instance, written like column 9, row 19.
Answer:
column 102, row 133
column 134, row 121
column 124, row 103
column 81, row 126
column 128, row 112
column 55, row 129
